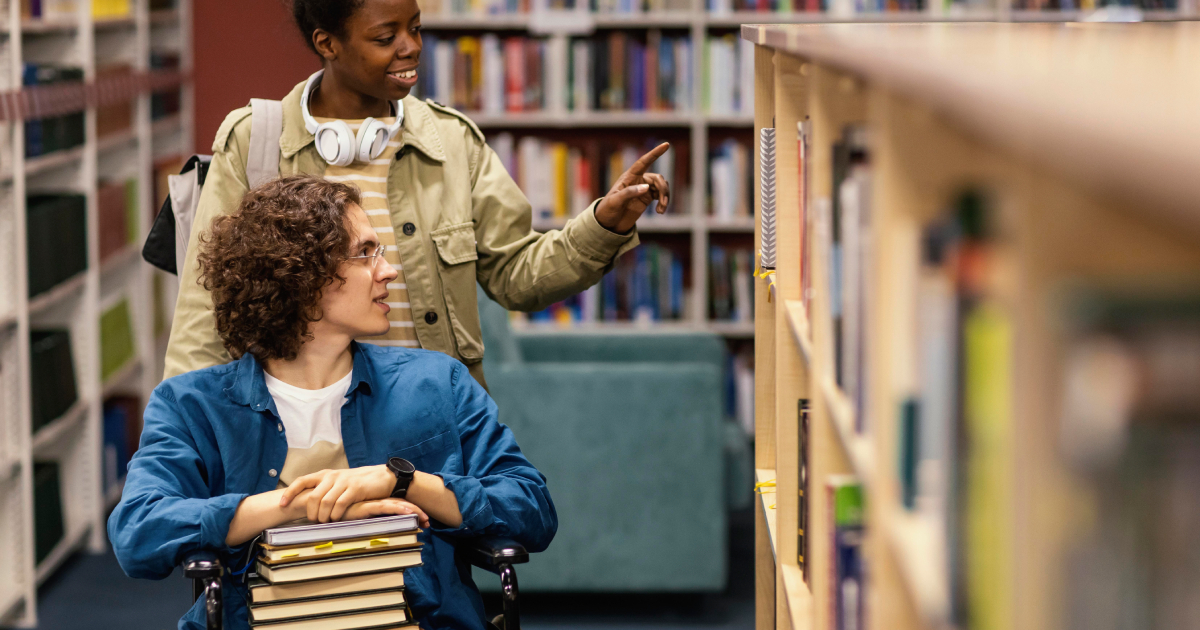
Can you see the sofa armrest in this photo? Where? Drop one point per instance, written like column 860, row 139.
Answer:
column 490, row 553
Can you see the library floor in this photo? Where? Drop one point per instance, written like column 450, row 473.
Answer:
column 93, row 588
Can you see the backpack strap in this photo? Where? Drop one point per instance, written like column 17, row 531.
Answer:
column 266, row 128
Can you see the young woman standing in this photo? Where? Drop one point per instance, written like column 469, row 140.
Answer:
column 448, row 211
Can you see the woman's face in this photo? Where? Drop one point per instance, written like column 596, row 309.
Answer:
column 380, row 48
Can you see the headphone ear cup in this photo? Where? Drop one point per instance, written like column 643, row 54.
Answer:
column 335, row 143
column 371, row 140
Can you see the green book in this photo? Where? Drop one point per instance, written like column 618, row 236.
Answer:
column 116, row 339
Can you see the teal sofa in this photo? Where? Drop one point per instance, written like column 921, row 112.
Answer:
column 631, row 434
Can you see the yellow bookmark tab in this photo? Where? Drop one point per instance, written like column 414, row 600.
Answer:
column 294, row 554
column 348, row 548
column 379, row 541
column 328, row 545
column 760, row 486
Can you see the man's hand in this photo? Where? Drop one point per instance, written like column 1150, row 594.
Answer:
column 633, row 192
column 385, row 507
column 335, row 491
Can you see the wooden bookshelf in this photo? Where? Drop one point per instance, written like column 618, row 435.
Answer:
column 1085, row 189
column 75, row 439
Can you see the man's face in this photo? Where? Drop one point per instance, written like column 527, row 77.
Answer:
column 356, row 308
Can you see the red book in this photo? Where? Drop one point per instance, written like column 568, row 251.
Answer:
column 651, row 73
column 514, row 74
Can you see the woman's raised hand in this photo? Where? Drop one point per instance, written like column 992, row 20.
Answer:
column 633, row 192
column 335, row 491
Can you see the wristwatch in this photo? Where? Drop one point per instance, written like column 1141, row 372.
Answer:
column 403, row 469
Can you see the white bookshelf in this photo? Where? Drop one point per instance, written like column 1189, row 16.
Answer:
column 698, row 123
column 75, row 439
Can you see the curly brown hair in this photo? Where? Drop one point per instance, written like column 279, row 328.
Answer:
column 267, row 263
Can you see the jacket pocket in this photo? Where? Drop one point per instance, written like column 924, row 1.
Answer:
column 431, row 455
column 457, row 253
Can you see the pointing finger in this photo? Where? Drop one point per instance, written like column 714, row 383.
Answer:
column 625, row 195
column 639, row 167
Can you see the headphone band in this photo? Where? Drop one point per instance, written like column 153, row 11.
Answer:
column 348, row 146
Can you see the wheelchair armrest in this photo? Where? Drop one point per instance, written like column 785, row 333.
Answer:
column 200, row 565
column 491, row 553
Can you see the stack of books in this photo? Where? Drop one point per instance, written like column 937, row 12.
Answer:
column 335, row 576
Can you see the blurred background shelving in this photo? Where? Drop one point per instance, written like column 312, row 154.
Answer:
column 96, row 108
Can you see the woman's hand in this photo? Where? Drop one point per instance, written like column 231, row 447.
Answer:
column 385, row 507
column 335, row 491
column 633, row 192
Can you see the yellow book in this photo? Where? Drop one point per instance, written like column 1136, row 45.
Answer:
column 558, row 153
column 263, row 593
column 275, row 554
column 336, row 567
column 327, row 606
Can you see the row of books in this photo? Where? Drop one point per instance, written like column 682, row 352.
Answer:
column 164, row 103
column 525, row 7
column 520, row 74
column 561, row 179
column 731, row 293
column 49, row 524
column 49, row 9
column 729, row 180
column 56, row 240
column 329, row 576
column 54, row 133
column 728, row 76
column 647, row 285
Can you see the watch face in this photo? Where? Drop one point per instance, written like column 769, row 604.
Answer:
column 402, row 466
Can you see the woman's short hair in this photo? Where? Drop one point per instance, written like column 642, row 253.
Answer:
column 328, row 15
column 266, row 264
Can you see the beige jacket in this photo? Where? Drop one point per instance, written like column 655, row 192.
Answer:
column 473, row 224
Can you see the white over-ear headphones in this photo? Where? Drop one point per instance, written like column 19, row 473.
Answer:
column 337, row 144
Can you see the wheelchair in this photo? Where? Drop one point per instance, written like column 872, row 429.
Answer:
column 497, row 555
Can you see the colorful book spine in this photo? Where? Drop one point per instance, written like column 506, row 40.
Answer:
column 845, row 496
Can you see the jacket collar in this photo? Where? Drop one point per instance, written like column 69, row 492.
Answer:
column 250, row 386
column 419, row 129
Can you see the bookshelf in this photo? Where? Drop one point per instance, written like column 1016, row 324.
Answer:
column 1002, row 234
column 110, row 157
column 558, row 24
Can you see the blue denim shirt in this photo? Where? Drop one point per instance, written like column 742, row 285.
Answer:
column 212, row 436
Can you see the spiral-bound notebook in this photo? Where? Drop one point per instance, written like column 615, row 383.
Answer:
column 325, row 532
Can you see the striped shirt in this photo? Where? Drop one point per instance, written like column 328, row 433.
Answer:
column 371, row 179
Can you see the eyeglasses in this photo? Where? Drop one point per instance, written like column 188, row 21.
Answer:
column 370, row 258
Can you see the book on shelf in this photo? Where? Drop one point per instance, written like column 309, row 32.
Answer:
column 741, row 390
column 730, row 172
column 449, row 8
column 305, row 533
column 646, row 285
column 849, row 266
column 731, row 297
column 117, row 205
column 954, row 427
column 56, row 240
column 166, row 102
column 114, row 118
column 728, row 83
column 51, row 134
column 803, row 533
column 112, row 9
column 562, row 179
column 122, row 430
column 1128, row 435
column 51, row 375
column 49, row 9
column 517, row 73
column 847, row 574
column 263, row 592
column 116, row 338
column 49, row 525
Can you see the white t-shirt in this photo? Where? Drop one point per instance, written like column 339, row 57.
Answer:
column 312, row 422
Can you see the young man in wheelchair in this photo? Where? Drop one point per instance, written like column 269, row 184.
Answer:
column 305, row 420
